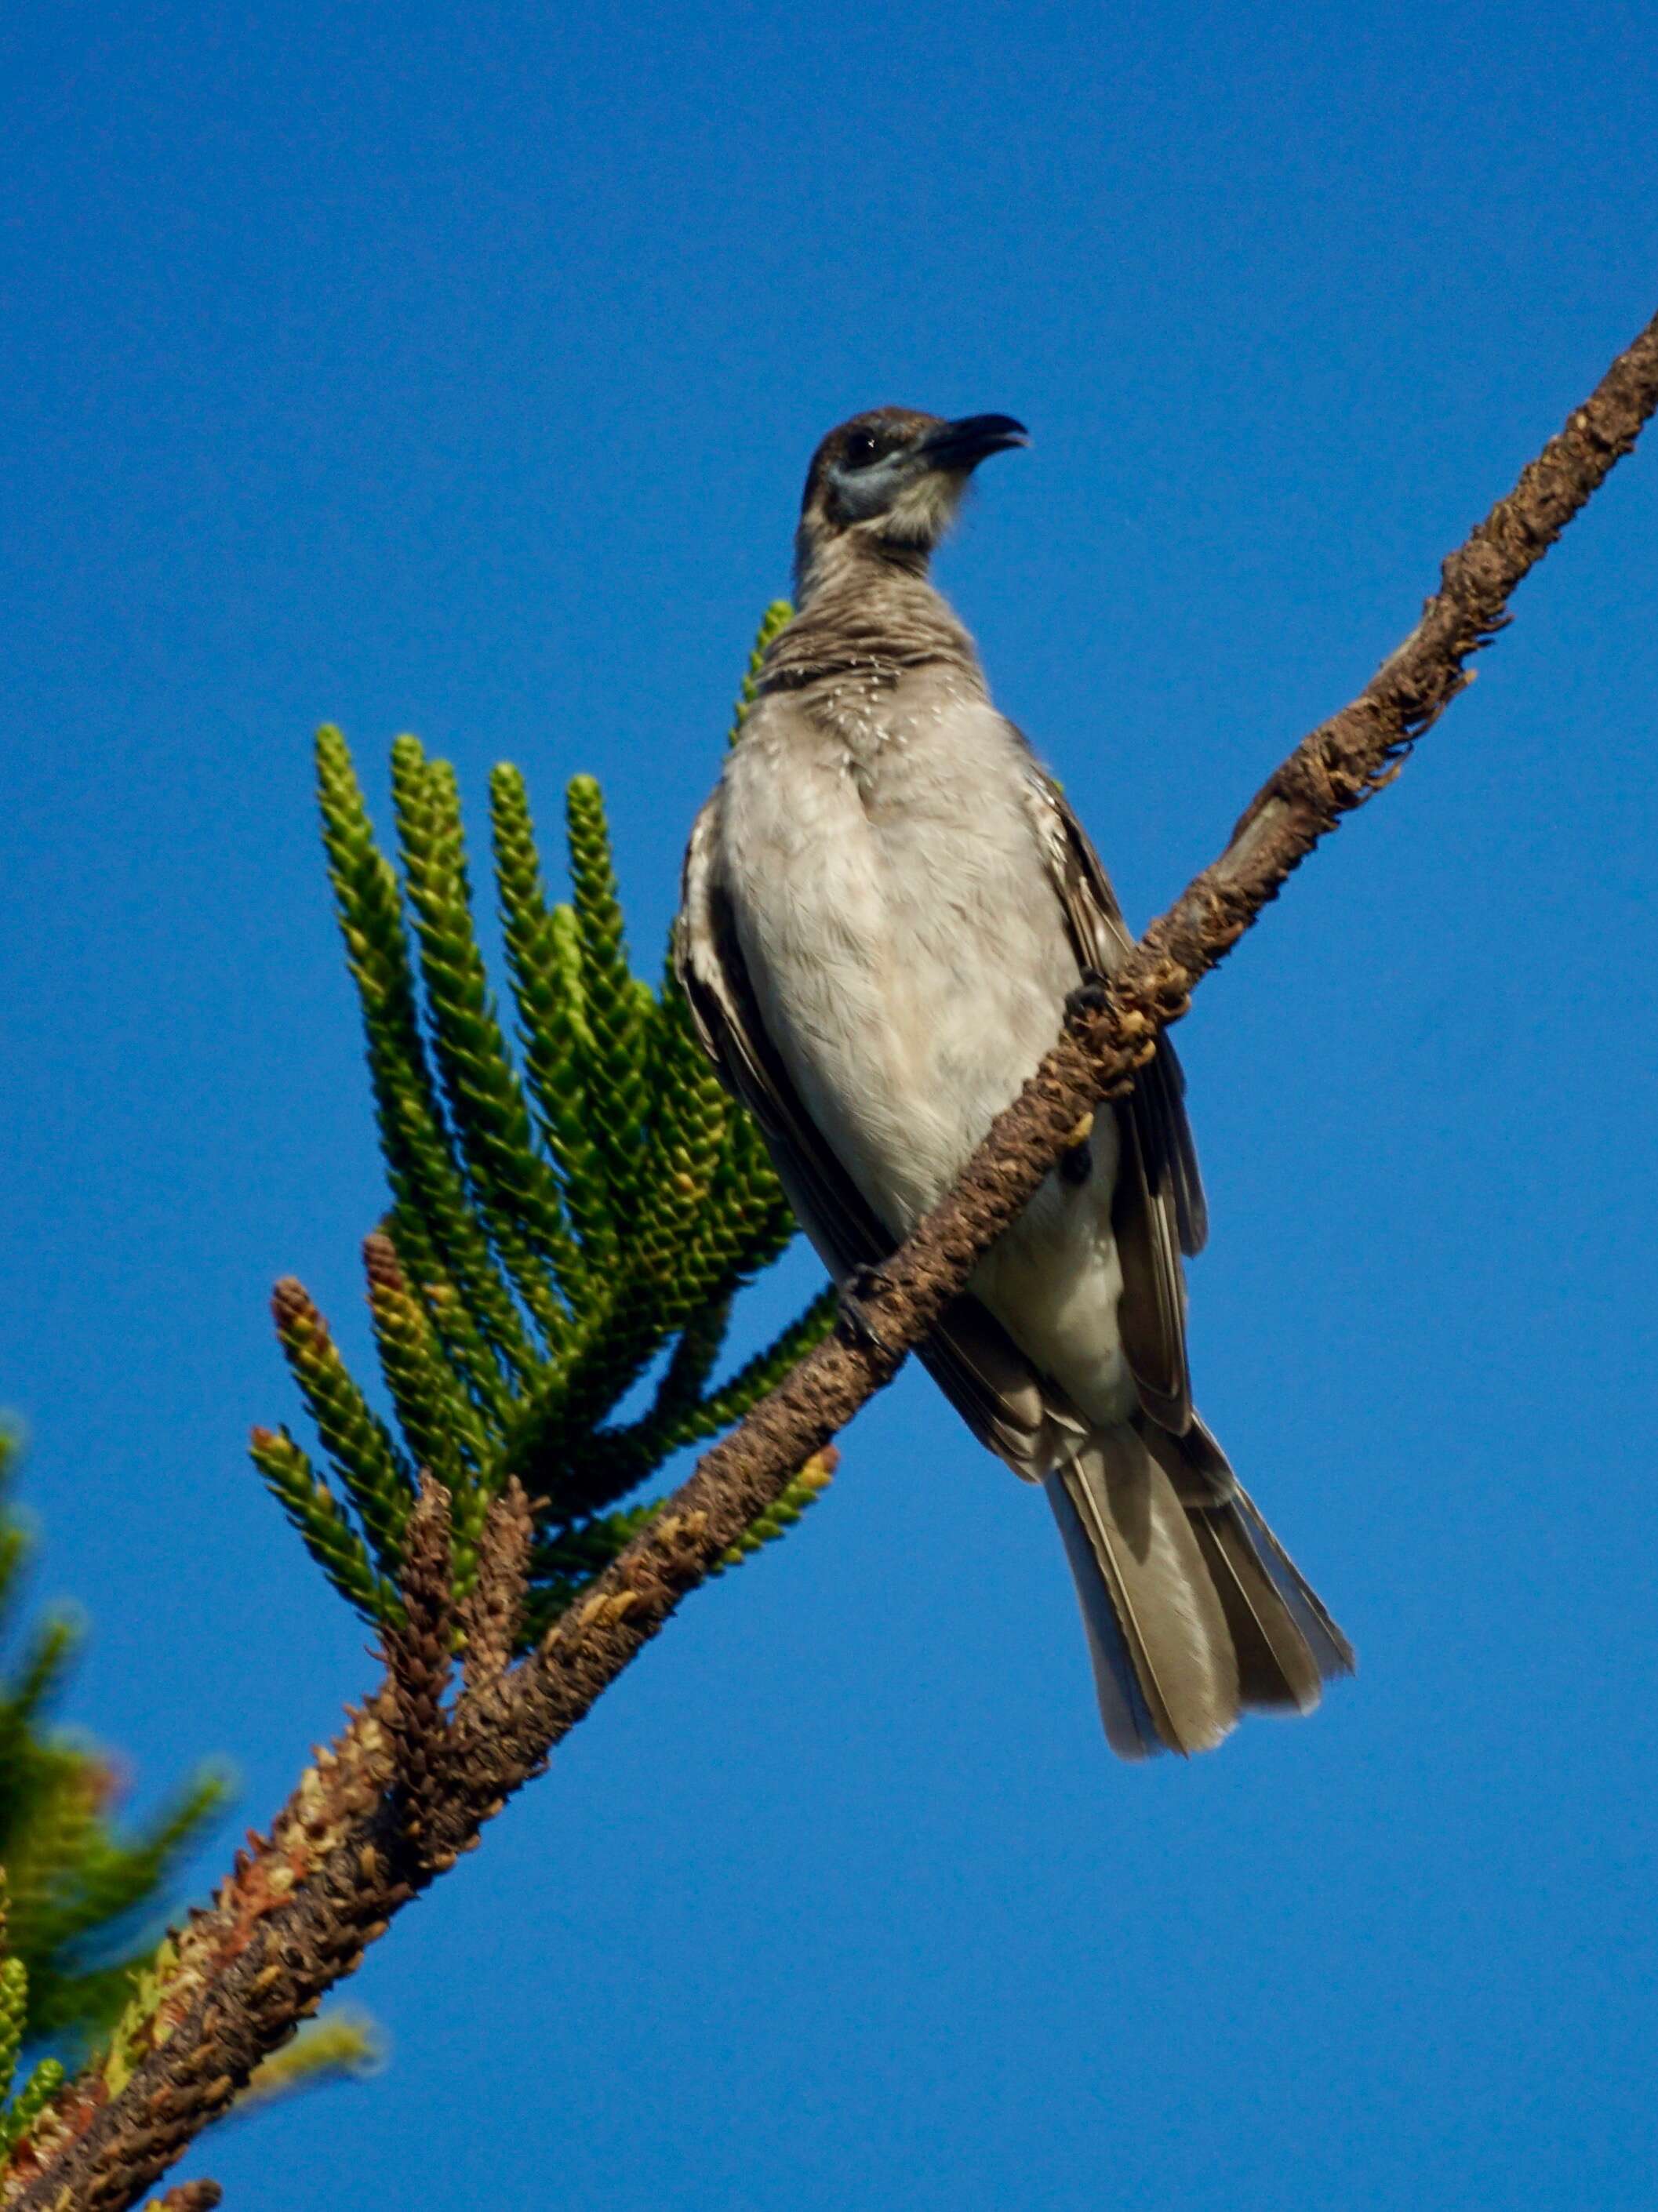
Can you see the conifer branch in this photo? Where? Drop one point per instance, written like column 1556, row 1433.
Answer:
column 514, row 1189
column 544, row 959
column 378, row 1480
column 611, row 1196
column 439, row 1420
column 419, row 1664
column 492, row 1612
column 432, row 1224
column 246, row 1971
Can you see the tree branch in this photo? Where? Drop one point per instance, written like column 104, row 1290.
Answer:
column 360, row 1838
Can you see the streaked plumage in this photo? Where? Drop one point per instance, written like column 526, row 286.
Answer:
column 887, row 903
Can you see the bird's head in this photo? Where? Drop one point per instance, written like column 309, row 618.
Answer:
column 891, row 480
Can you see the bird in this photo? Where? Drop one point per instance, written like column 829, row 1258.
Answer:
column 887, row 906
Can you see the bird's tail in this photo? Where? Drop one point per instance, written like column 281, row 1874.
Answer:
column 1194, row 1611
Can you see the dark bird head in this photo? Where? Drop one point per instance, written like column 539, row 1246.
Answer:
column 891, row 480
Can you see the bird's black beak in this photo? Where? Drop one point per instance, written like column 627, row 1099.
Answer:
column 964, row 443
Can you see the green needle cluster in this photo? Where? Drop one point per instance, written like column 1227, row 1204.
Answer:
column 575, row 1203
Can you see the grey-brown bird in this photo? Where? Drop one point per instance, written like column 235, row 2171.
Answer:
column 887, row 904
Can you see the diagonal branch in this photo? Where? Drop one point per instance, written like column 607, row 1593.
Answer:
column 294, row 1917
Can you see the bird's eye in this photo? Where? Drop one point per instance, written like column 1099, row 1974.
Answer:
column 861, row 449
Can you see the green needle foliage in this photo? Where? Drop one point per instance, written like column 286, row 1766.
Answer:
column 77, row 1891
column 776, row 616
column 573, row 1207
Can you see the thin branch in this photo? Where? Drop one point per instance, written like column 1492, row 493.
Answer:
column 295, row 1917
column 418, row 1662
column 490, row 1614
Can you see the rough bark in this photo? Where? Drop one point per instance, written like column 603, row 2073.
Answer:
column 295, row 1914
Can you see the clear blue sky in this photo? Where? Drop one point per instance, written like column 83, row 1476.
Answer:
column 456, row 369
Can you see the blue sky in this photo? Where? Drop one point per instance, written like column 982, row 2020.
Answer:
column 456, row 370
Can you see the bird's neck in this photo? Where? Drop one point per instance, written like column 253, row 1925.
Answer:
column 863, row 606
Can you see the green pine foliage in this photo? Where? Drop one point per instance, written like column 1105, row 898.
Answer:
column 77, row 1892
column 575, row 1203
column 777, row 617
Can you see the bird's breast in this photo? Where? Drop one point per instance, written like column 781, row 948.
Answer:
column 896, row 918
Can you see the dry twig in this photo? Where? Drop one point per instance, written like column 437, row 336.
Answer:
column 344, row 1853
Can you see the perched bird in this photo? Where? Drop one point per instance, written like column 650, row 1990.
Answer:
column 887, row 904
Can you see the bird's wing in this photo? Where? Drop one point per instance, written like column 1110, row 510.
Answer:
column 975, row 1363
column 726, row 1014
column 1158, row 1210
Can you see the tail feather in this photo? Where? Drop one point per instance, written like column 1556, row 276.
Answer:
column 1276, row 1667
column 1193, row 1610
column 1335, row 1655
column 1144, row 1568
column 1130, row 1729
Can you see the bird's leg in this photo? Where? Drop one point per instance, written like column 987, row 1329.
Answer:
column 859, row 1287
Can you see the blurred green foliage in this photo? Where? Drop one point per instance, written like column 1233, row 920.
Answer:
column 77, row 1892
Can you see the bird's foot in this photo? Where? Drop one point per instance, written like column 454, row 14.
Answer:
column 860, row 1286
column 1090, row 996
